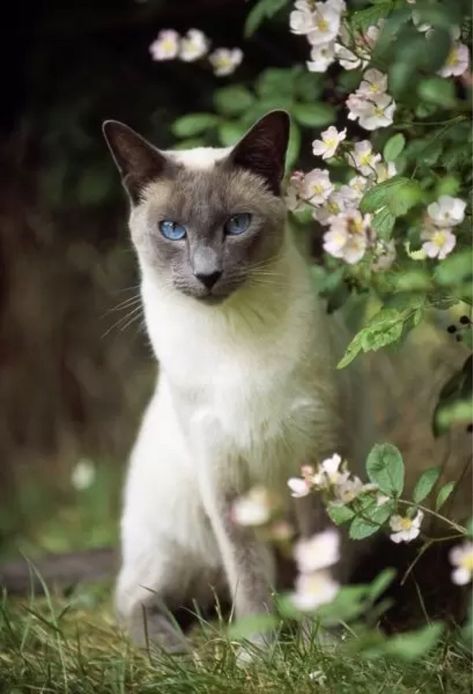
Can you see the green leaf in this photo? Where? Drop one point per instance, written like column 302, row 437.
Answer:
column 313, row 115
column 394, row 146
column 398, row 193
column 348, row 604
column 352, row 351
column 425, row 484
column 362, row 527
column 412, row 645
column 385, row 467
column 380, row 583
column 293, row 147
column 229, row 133
column 264, row 9
column 383, row 223
column 455, row 269
column 276, row 83
column 443, row 494
column 233, row 100
column 437, row 90
column 193, row 124
column 362, row 19
column 339, row 514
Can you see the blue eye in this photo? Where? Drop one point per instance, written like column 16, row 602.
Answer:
column 237, row 224
column 171, row 230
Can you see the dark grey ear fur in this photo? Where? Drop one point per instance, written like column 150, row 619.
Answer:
column 263, row 149
column 137, row 160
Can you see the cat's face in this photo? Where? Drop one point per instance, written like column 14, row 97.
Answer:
column 208, row 221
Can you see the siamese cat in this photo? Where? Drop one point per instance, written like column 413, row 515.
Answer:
column 247, row 390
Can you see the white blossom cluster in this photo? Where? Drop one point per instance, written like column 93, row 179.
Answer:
column 437, row 233
column 350, row 234
column 169, row 45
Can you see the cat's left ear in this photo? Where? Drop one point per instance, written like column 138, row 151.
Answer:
column 137, row 160
column 263, row 149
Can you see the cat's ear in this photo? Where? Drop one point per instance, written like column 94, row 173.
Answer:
column 137, row 160
column 263, row 149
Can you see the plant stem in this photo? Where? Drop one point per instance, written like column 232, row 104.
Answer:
column 455, row 526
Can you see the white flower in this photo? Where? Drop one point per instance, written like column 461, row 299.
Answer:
column 347, row 59
column 458, row 61
column 337, row 203
column 318, row 552
column 253, row 508
column 405, row 529
column 374, row 114
column 373, row 83
column 193, row 45
column 327, row 146
column 447, row 211
column 317, row 676
column 293, row 194
column 347, row 237
column 83, row 474
column 384, row 170
column 329, row 472
column 461, row 557
column 325, row 24
column 321, row 57
column 313, row 590
column 347, row 491
column 385, row 255
column 299, row 487
column 439, row 242
column 166, row 45
column 364, row 159
column 316, row 186
column 338, row 5
column 225, row 60
column 301, row 20
column 358, row 184
column 381, row 499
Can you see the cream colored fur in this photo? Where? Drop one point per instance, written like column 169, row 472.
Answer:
column 247, row 393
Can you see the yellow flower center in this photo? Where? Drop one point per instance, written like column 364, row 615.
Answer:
column 322, row 24
column 331, row 142
column 467, row 562
column 452, row 57
column 405, row 523
column 438, row 239
column 355, row 226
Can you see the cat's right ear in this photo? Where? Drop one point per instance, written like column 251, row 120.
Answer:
column 137, row 160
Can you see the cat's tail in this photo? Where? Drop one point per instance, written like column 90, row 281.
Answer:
column 57, row 571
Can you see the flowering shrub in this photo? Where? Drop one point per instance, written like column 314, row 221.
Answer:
column 380, row 118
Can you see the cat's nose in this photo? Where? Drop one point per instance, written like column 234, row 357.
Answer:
column 208, row 278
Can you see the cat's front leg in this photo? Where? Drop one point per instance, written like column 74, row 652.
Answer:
column 248, row 562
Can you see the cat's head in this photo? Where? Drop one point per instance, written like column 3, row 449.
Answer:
column 205, row 221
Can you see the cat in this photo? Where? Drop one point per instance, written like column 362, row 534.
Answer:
column 247, row 390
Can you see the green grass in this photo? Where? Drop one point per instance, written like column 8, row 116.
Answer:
column 53, row 645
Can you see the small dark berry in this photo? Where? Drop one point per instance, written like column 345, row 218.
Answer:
column 464, row 320
column 458, row 338
column 452, row 329
column 470, row 428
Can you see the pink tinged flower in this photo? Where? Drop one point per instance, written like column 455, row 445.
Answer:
column 193, row 45
column 294, row 191
column 299, row 487
column 253, row 508
column 313, row 590
column 357, row 185
column 337, row 203
column 447, row 211
column 439, row 243
column 317, row 186
column 321, row 57
column 458, row 61
column 318, row 552
column 405, row 529
column 225, row 60
column 373, row 84
column 166, row 45
column 325, row 24
column 327, row 146
column 372, row 33
column 461, row 557
column 363, row 158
